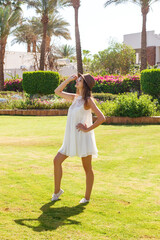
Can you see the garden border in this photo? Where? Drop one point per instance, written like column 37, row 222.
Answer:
column 34, row 112
column 63, row 112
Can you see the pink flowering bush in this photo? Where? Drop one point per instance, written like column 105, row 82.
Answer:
column 112, row 84
column 117, row 84
column 13, row 85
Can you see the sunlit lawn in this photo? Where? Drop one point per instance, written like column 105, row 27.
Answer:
column 125, row 202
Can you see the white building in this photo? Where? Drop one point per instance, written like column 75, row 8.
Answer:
column 18, row 62
column 153, row 46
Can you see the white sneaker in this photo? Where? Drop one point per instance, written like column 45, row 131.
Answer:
column 83, row 200
column 57, row 195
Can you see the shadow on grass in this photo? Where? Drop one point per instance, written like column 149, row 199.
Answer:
column 52, row 218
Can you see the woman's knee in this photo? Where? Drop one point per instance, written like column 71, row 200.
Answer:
column 88, row 170
column 56, row 161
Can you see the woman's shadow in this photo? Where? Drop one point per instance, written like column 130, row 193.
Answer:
column 52, row 218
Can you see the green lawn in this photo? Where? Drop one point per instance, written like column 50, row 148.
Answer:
column 125, row 202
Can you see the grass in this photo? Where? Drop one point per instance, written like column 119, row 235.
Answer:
column 125, row 202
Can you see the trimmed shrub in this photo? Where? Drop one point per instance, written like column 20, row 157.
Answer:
column 150, row 82
column 42, row 82
column 13, row 85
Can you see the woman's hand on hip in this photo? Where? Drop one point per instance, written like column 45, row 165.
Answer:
column 82, row 127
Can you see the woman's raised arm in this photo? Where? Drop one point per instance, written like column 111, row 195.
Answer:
column 59, row 90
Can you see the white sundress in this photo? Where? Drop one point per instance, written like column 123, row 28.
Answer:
column 78, row 143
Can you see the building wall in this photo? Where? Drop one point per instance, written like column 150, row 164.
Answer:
column 134, row 39
column 153, row 46
column 14, row 60
column 17, row 62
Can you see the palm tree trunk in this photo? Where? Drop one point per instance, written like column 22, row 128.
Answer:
column 144, row 39
column 34, row 46
column 78, row 44
column 28, row 47
column 1, row 72
column 2, row 53
column 43, row 45
column 48, row 43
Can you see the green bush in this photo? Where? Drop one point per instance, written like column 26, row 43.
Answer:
column 104, row 96
column 129, row 105
column 42, row 82
column 150, row 82
column 107, row 107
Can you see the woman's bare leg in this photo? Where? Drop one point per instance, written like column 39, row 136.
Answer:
column 58, row 160
column 87, row 165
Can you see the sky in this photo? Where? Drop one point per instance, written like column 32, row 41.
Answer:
column 99, row 25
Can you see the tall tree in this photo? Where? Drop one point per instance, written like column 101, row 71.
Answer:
column 45, row 8
column 86, row 60
column 65, row 51
column 76, row 5
column 145, row 6
column 10, row 15
column 57, row 27
column 25, row 33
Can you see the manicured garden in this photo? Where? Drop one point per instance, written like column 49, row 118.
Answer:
column 125, row 201
column 115, row 95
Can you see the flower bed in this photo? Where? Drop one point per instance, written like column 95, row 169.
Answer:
column 13, row 85
column 44, row 102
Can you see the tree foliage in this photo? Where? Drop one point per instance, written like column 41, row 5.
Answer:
column 117, row 58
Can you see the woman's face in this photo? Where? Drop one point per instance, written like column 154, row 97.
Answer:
column 79, row 83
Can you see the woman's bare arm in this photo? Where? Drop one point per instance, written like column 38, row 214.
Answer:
column 59, row 90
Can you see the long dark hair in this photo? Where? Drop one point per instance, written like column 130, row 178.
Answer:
column 86, row 93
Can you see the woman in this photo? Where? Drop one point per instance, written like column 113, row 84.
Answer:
column 79, row 139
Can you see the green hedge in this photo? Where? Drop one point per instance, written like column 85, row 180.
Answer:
column 150, row 82
column 42, row 82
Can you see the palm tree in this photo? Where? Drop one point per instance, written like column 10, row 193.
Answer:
column 76, row 5
column 45, row 8
column 145, row 6
column 65, row 51
column 25, row 33
column 57, row 27
column 86, row 60
column 9, row 18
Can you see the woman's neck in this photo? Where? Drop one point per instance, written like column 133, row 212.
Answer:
column 80, row 92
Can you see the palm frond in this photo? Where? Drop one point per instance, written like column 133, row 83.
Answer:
column 116, row 2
